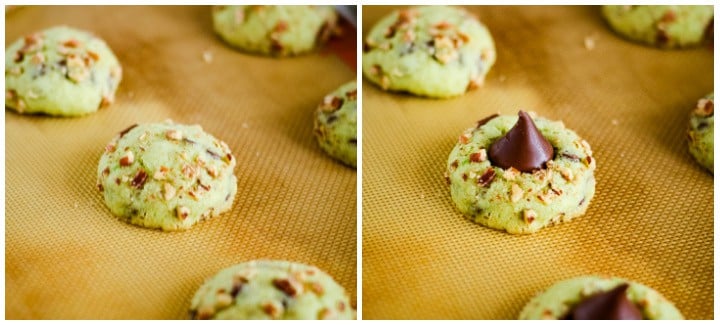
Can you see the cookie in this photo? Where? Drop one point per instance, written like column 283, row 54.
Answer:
column 268, row 289
column 520, row 174
column 165, row 175
column 596, row 297
column 701, row 132
column 661, row 26
column 275, row 30
column 336, row 124
column 60, row 71
column 433, row 51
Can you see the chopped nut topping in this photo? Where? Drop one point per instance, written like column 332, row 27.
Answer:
column 139, row 179
column 173, row 135
column 705, row 107
column 516, row 193
column 10, row 94
column 475, row 84
column 15, row 71
column 409, row 36
column 127, row 159
column 479, row 156
column 188, row 171
column 223, row 300
column 529, row 216
column 375, row 70
column 288, row 286
column 273, row 309
column 465, row 138
column 487, row 177
column 182, row 212
column 37, row 58
column 668, row 17
column 331, row 103
column 93, row 55
column 327, row 313
column 317, row 288
column 281, row 26
column 212, row 171
column 566, row 173
column 351, row 95
column 73, row 43
column 169, row 191
column 442, row 25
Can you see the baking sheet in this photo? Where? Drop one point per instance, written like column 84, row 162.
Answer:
column 652, row 216
column 67, row 257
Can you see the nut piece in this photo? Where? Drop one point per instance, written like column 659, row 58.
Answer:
column 182, row 212
column 479, row 156
column 205, row 312
column 529, row 216
column 327, row 313
column 173, row 135
column 273, row 309
column 127, row 159
column 465, row 138
column 511, row 173
column 288, row 286
column 169, row 191
column 223, row 300
column 516, row 193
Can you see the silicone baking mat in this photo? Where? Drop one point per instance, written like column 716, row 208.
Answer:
column 68, row 257
column 651, row 219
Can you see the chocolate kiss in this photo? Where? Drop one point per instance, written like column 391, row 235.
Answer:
column 610, row 305
column 523, row 147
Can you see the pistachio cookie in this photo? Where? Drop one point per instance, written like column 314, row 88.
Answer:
column 433, row 51
column 519, row 175
column 336, row 124
column 275, row 30
column 701, row 132
column 269, row 289
column 599, row 298
column 167, row 176
column 60, row 71
column 662, row 26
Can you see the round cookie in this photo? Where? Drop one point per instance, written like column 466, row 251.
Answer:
column 560, row 299
column 268, row 289
column 167, row 176
column 516, row 201
column 666, row 26
column 275, row 30
column 701, row 133
column 433, row 51
column 336, row 124
column 60, row 71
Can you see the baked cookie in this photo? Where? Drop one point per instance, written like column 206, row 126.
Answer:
column 275, row 30
column 269, row 289
column 335, row 124
column 661, row 26
column 511, row 174
column 167, row 176
column 60, row 71
column 595, row 297
column 701, row 132
column 433, row 51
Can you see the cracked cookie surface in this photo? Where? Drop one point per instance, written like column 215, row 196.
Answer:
column 271, row 289
column 433, row 51
column 165, row 175
column 60, row 71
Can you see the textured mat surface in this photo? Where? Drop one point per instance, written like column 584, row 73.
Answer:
column 68, row 257
column 651, row 219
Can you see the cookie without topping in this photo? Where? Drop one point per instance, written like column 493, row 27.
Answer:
column 167, row 176
column 661, row 26
column 559, row 299
column 701, row 133
column 60, row 71
column 336, row 124
column 268, row 289
column 514, row 201
column 275, row 30
column 433, row 51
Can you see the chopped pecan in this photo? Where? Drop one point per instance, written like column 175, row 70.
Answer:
column 331, row 103
column 465, row 138
column 127, row 159
column 287, row 286
column 479, row 156
column 182, row 212
column 173, row 135
column 516, row 193
column 272, row 309
column 169, row 191
column 72, row 43
column 487, row 177
column 529, row 216
column 139, row 179
column 351, row 95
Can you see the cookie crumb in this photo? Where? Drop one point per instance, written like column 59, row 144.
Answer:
column 244, row 125
column 589, row 43
column 615, row 122
column 207, row 56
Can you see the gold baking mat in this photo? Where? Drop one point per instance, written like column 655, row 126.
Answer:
column 68, row 257
column 651, row 219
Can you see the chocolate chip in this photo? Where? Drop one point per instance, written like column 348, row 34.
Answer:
column 465, row 176
column 662, row 37
column 581, row 202
column 589, row 160
column 285, row 286
column 123, row 132
column 455, row 164
column 702, row 126
column 352, row 141
column 117, row 181
column 100, row 188
column 487, row 177
column 523, row 147
column 19, row 56
column 192, row 314
column 212, row 154
column 485, row 120
column 236, row 289
column 331, row 118
column 366, row 47
column 139, row 179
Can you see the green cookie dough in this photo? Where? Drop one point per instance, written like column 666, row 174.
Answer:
column 60, row 71
column 275, row 30
column 514, row 201
column 661, row 26
column 267, row 289
column 701, row 133
column 167, row 176
column 433, row 51
column 336, row 124
column 556, row 301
